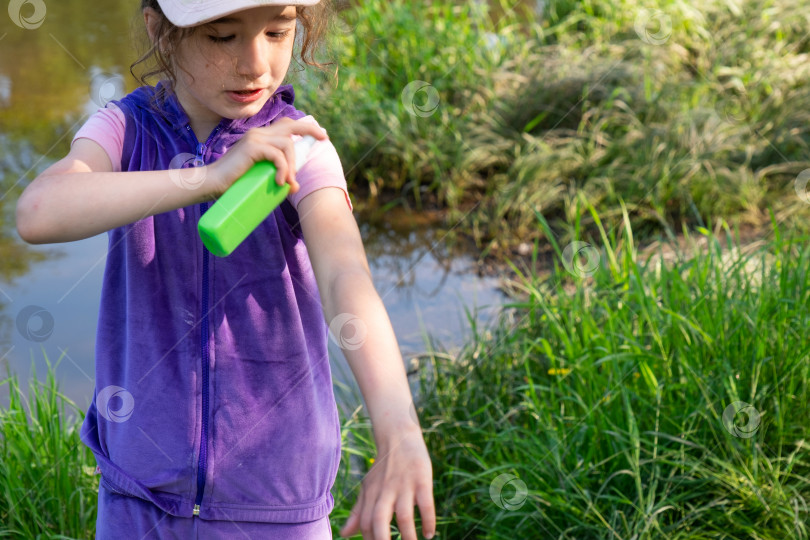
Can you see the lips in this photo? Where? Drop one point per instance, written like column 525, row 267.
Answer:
column 245, row 96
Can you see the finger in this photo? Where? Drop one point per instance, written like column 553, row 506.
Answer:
column 288, row 148
column 279, row 159
column 352, row 524
column 309, row 128
column 427, row 510
column 369, row 497
column 405, row 522
column 382, row 515
column 295, row 127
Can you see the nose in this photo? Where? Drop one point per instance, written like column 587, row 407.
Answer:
column 254, row 58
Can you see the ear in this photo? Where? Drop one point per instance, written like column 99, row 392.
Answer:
column 151, row 18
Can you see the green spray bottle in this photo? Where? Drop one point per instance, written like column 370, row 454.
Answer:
column 246, row 203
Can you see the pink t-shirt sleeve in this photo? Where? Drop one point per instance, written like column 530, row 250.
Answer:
column 106, row 127
column 322, row 170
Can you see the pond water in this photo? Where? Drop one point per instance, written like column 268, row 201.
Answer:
column 59, row 62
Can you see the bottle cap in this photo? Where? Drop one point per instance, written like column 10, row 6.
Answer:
column 302, row 149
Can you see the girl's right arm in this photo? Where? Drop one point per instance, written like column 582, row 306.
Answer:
column 79, row 196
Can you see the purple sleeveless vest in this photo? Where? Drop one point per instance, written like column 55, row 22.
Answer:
column 213, row 388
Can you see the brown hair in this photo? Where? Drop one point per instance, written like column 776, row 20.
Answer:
column 313, row 19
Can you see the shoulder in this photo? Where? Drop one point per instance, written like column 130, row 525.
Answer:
column 323, row 169
column 323, row 153
column 143, row 96
column 106, row 127
column 320, row 144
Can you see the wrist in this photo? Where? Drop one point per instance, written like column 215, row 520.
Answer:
column 212, row 187
column 195, row 184
column 390, row 430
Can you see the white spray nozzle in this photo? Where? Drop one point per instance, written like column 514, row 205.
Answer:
column 302, row 149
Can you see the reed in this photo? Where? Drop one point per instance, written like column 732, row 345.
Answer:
column 710, row 120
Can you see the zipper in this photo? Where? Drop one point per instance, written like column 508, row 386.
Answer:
column 199, row 161
column 201, row 466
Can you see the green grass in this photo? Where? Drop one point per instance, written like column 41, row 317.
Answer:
column 605, row 397
column 713, row 122
column 47, row 485
column 603, row 394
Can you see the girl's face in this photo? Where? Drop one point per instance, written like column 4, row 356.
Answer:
column 230, row 67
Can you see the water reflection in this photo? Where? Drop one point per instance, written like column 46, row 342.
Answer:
column 54, row 70
column 16, row 259
column 426, row 285
column 44, row 96
column 67, row 287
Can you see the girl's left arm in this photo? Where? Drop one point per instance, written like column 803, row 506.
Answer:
column 401, row 476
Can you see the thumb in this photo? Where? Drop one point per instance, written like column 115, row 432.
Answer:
column 352, row 525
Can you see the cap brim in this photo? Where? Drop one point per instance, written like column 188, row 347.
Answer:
column 185, row 13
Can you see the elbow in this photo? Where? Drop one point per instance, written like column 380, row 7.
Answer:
column 351, row 283
column 26, row 220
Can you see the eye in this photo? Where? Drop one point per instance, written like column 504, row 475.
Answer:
column 278, row 35
column 223, row 39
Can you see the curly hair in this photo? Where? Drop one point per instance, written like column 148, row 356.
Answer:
column 313, row 19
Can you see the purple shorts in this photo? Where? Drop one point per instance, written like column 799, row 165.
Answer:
column 120, row 516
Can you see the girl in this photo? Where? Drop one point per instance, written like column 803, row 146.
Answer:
column 213, row 415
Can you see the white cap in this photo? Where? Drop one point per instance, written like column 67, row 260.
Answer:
column 185, row 13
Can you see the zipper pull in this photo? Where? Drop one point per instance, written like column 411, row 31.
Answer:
column 196, row 510
column 198, row 159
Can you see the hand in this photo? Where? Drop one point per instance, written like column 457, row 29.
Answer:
column 271, row 143
column 401, row 476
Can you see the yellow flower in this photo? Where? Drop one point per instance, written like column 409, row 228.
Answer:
column 371, row 460
column 559, row 371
